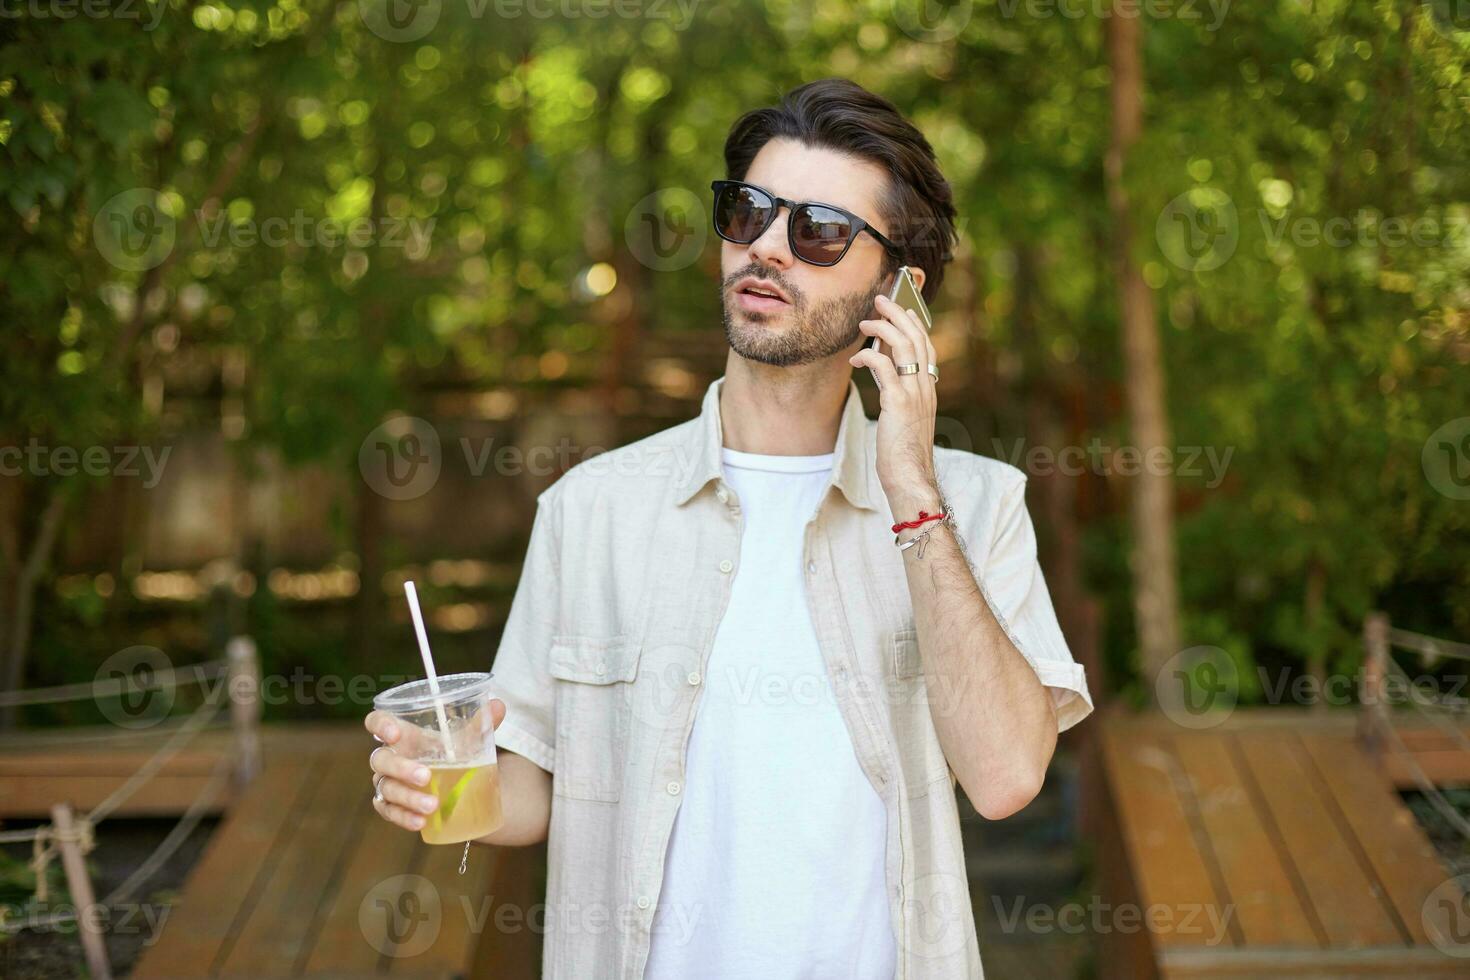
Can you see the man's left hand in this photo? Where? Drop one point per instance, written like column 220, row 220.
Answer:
column 907, row 403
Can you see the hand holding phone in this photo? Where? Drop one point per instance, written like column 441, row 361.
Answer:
column 906, row 295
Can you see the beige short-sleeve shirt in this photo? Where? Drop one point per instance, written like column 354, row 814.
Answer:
column 629, row 569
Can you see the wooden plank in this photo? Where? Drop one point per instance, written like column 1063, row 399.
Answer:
column 518, row 878
column 1157, row 831
column 1403, row 858
column 1325, row 964
column 272, row 937
column 382, row 852
column 1343, row 896
column 164, row 795
column 201, row 922
column 1444, row 767
column 86, row 762
column 1267, row 909
column 1122, row 955
column 466, row 908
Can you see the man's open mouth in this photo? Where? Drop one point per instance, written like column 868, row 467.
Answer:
column 754, row 296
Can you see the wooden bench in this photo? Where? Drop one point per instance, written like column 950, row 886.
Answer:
column 1286, row 843
column 83, row 765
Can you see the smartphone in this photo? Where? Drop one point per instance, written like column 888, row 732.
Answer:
column 906, row 295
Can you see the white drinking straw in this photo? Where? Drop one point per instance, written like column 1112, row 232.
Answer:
column 418, row 628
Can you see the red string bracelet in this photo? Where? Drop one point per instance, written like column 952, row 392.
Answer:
column 924, row 518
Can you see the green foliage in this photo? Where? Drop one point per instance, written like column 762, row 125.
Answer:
column 519, row 145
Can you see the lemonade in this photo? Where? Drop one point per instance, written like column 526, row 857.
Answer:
column 469, row 803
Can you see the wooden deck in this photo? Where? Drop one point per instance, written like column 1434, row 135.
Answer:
column 1271, row 845
column 302, row 878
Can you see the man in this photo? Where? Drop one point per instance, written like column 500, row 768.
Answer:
column 734, row 706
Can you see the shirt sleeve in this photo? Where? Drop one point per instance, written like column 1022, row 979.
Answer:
column 521, row 678
column 1016, row 591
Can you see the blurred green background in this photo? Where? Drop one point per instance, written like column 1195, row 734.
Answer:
column 531, row 269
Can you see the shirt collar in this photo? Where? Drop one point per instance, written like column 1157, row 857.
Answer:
column 852, row 473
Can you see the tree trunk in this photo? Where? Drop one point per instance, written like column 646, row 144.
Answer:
column 1155, row 581
column 20, row 578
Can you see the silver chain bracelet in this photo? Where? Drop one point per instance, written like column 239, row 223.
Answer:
column 922, row 538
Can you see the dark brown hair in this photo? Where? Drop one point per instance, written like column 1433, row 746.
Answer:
column 839, row 114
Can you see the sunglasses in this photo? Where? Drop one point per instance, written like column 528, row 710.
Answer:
column 818, row 233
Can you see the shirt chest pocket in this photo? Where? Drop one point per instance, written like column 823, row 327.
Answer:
column 594, row 680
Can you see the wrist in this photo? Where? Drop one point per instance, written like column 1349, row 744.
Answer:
column 907, row 501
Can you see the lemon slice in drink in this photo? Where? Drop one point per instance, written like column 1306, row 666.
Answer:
column 451, row 799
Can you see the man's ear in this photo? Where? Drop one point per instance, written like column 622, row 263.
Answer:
column 918, row 275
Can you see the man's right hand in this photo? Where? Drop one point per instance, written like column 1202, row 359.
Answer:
column 399, row 780
column 525, row 788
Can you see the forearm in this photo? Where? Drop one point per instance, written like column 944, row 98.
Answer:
column 525, row 796
column 994, row 718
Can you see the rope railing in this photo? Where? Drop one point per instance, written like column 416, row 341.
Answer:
column 1432, row 647
column 1431, row 792
column 73, row 836
column 1376, row 725
column 111, row 687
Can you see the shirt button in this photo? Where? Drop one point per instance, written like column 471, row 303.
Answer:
column 722, row 494
column 811, row 567
column 674, row 789
column 726, row 565
column 694, row 677
column 601, row 669
column 643, row 902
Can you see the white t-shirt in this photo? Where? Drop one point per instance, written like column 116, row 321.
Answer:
column 776, row 855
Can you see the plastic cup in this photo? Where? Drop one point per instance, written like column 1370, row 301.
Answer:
column 462, row 773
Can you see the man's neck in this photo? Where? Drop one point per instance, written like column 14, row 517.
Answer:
column 782, row 411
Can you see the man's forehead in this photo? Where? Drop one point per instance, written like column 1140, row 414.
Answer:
column 815, row 175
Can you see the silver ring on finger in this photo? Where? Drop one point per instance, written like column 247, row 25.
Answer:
column 373, row 753
column 907, row 368
column 378, row 787
column 934, row 372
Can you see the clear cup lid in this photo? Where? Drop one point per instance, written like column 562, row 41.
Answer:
column 417, row 695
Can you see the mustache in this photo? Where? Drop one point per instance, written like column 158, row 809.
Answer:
column 758, row 273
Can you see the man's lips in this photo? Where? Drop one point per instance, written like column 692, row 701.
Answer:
column 760, row 304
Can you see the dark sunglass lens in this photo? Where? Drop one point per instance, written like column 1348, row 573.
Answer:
column 741, row 213
column 821, row 234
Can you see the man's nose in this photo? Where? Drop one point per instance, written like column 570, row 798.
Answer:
column 772, row 247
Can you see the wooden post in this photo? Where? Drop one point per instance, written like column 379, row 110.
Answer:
column 80, row 886
column 1373, row 721
column 245, row 706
